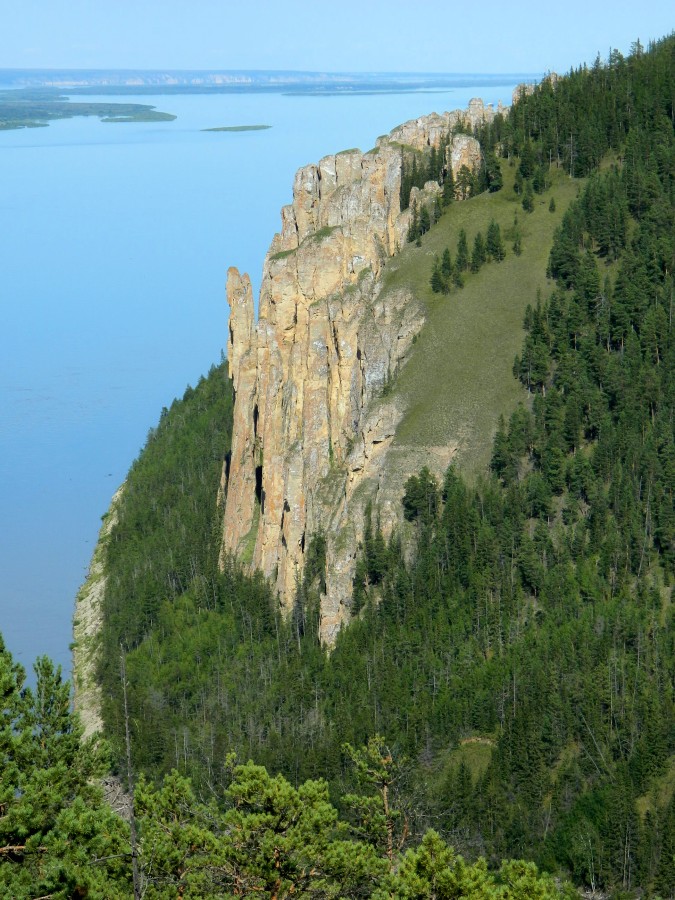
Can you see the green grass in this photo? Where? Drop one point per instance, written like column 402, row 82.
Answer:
column 475, row 753
column 322, row 233
column 282, row 254
column 459, row 377
column 239, row 128
column 248, row 543
column 660, row 792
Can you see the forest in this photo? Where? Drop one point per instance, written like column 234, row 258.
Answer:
column 261, row 836
column 506, row 691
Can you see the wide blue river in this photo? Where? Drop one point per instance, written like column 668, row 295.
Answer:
column 114, row 244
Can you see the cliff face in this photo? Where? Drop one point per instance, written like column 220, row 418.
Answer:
column 87, row 624
column 312, row 425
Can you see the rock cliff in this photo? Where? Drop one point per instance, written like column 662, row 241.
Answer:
column 313, row 421
column 87, row 624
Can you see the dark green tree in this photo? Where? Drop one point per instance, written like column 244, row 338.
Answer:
column 479, row 252
column 448, row 187
column 494, row 244
column 462, row 258
column 446, row 263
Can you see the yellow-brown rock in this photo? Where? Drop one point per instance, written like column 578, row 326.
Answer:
column 429, row 130
column 312, row 430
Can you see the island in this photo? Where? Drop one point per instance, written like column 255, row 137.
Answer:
column 239, row 128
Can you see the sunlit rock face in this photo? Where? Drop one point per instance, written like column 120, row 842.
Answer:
column 313, row 426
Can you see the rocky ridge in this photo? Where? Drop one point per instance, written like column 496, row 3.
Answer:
column 313, row 419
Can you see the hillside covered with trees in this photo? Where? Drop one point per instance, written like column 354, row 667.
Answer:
column 510, row 681
column 260, row 836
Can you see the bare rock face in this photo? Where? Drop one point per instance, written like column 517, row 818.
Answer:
column 429, row 130
column 313, row 423
column 87, row 626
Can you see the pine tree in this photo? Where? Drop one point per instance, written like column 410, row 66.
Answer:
column 664, row 880
column 479, row 253
column 446, row 263
column 494, row 245
column 539, row 180
column 414, row 227
column 493, row 173
column 465, row 182
column 448, row 187
column 380, row 819
column 53, row 821
column 462, row 258
column 438, row 282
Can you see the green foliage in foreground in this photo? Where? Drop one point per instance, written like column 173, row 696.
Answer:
column 265, row 838
column 54, row 828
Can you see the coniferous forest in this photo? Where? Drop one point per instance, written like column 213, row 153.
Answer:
column 506, row 690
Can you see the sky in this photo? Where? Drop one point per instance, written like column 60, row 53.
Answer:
column 343, row 35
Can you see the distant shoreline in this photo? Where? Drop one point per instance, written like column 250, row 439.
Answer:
column 161, row 81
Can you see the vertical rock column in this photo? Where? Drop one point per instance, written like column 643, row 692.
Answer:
column 240, row 469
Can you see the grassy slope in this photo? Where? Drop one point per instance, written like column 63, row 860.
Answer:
column 459, row 378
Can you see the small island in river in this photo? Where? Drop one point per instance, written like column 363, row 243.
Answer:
column 239, row 128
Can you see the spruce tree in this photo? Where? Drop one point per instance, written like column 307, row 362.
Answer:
column 448, row 187
column 438, row 282
column 446, row 263
column 414, row 226
column 494, row 245
column 462, row 258
column 479, row 253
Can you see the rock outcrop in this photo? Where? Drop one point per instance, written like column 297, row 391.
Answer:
column 313, row 422
column 87, row 624
column 430, row 130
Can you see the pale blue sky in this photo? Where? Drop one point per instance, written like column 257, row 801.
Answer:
column 356, row 35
